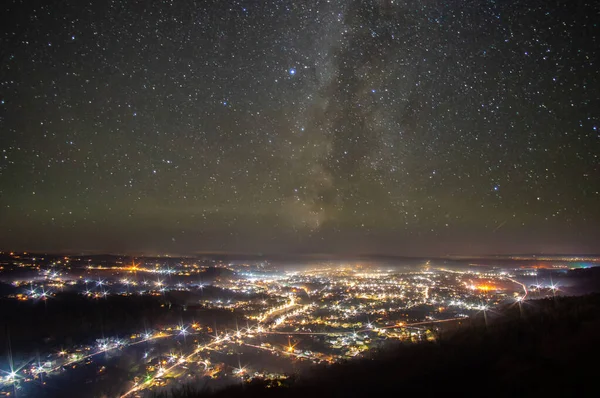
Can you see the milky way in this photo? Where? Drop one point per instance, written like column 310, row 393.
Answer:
column 396, row 127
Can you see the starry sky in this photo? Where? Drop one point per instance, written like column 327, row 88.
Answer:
column 390, row 127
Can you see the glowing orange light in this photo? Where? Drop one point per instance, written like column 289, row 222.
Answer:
column 486, row 288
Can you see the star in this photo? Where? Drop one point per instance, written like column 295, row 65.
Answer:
column 349, row 126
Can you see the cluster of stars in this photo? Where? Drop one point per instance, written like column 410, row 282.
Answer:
column 390, row 126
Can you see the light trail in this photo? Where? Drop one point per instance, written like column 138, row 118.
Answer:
column 522, row 285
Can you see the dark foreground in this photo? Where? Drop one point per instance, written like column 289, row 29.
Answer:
column 542, row 348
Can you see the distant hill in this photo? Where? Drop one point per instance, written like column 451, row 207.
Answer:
column 584, row 280
column 212, row 273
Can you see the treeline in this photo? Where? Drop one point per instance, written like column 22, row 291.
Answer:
column 70, row 318
column 539, row 348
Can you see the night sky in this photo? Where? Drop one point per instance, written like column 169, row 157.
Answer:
column 389, row 127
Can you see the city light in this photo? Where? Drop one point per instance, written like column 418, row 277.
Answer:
column 346, row 310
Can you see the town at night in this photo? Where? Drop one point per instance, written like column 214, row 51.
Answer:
column 299, row 198
column 212, row 322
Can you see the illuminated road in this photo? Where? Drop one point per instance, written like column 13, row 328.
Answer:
column 285, row 352
column 109, row 347
column 164, row 371
column 272, row 313
column 238, row 334
column 112, row 347
column 397, row 326
column 522, row 285
column 244, row 332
